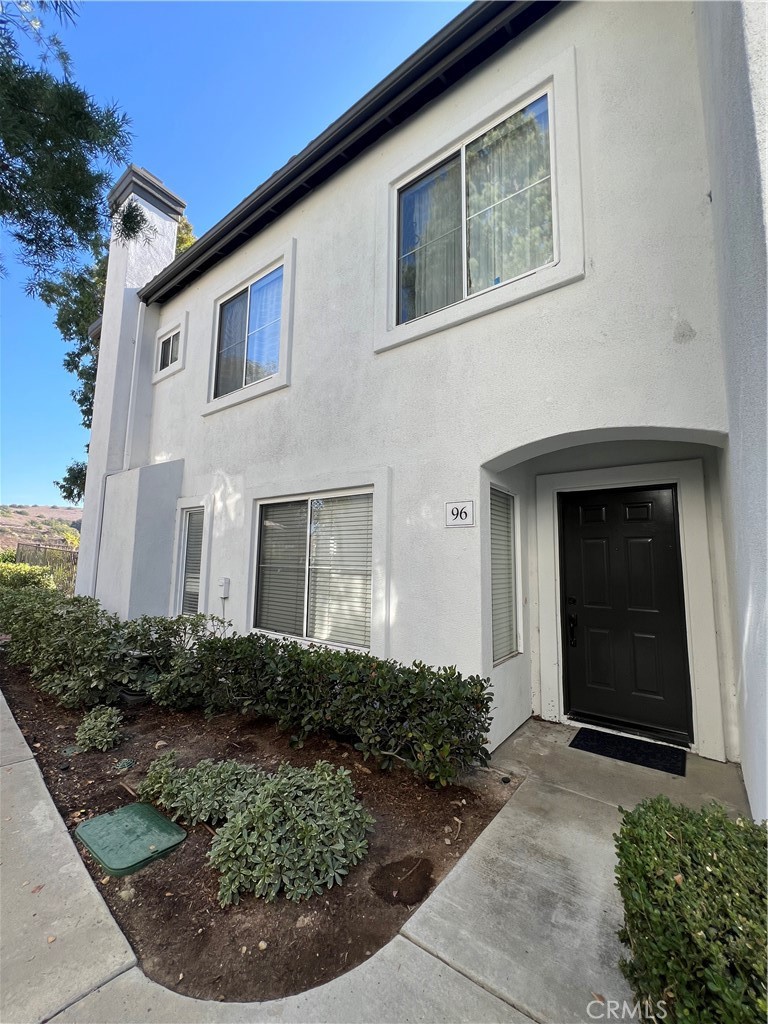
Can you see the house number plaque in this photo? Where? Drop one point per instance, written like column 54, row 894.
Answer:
column 459, row 513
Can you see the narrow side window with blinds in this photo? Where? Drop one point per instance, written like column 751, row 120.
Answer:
column 193, row 555
column 503, row 598
column 314, row 572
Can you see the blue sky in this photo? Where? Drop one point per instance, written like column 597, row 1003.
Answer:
column 220, row 95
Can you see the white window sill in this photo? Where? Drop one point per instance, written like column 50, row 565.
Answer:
column 555, row 275
column 169, row 371
column 250, row 391
column 309, row 642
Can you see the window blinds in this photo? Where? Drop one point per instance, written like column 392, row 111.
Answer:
column 339, row 588
column 193, row 553
column 502, row 576
column 314, row 575
column 282, row 568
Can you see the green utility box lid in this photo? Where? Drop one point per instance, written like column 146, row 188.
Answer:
column 126, row 840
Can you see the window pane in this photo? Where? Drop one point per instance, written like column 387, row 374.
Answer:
column 502, row 576
column 429, row 265
column 175, row 347
column 282, row 565
column 511, row 238
column 230, row 353
column 193, row 552
column 264, row 327
column 509, row 198
column 340, row 546
column 165, row 350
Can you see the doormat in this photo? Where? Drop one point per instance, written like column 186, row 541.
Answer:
column 620, row 748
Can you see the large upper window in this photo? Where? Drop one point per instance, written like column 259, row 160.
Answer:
column 480, row 218
column 314, row 571
column 248, row 344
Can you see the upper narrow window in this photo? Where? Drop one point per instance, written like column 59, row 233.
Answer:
column 481, row 218
column 193, row 554
column 169, row 350
column 314, row 575
column 248, row 346
column 503, row 600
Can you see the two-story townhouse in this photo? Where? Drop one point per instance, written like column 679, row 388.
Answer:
column 477, row 378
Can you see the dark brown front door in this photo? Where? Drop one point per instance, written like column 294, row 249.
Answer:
column 623, row 616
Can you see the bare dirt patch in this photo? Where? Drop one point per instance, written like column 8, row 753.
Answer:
column 256, row 950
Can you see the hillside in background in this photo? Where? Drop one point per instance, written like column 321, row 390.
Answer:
column 39, row 524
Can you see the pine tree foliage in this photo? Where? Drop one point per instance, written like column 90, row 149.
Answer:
column 57, row 145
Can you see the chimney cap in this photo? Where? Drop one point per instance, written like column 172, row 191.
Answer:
column 138, row 181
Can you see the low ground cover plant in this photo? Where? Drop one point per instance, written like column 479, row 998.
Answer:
column 100, row 729
column 433, row 720
column 693, row 885
column 296, row 831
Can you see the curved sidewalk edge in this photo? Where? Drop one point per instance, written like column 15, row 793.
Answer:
column 88, row 972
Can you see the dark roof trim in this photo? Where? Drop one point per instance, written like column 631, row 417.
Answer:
column 471, row 38
column 137, row 181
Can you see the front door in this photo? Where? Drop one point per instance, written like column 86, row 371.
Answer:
column 625, row 655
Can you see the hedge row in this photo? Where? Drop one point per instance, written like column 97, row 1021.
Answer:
column 20, row 576
column 434, row 720
column 694, row 890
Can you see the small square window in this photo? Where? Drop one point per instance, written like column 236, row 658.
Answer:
column 169, row 350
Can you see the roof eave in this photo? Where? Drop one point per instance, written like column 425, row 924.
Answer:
column 471, row 38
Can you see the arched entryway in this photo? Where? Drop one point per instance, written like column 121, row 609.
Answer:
column 623, row 603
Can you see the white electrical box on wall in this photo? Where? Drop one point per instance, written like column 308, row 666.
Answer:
column 223, row 587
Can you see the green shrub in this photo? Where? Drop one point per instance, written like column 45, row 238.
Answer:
column 694, row 890
column 209, row 791
column 7, row 555
column 298, row 830
column 100, row 729
column 20, row 576
column 433, row 720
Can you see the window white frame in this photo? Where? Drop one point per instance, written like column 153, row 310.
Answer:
column 167, row 332
column 558, row 80
column 285, row 258
column 308, row 498
column 256, row 491
column 183, row 507
column 515, row 548
column 461, row 152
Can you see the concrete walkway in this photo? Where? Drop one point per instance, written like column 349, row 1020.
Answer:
column 522, row 929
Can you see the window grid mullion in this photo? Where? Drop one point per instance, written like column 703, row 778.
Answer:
column 306, row 569
column 464, row 259
column 247, row 320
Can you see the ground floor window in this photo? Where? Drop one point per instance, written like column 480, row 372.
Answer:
column 503, row 597
column 314, row 568
column 193, row 553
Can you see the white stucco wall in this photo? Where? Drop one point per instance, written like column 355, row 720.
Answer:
column 131, row 265
column 732, row 41
column 631, row 346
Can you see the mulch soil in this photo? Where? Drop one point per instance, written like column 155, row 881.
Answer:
column 169, row 911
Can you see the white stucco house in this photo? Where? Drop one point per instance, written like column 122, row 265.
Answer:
column 477, row 378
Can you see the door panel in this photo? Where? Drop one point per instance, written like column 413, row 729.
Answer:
column 625, row 651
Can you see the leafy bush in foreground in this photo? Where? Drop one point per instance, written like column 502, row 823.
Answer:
column 297, row 831
column 100, row 729
column 433, row 720
column 20, row 576
column 7, row 555
column 694, row 890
